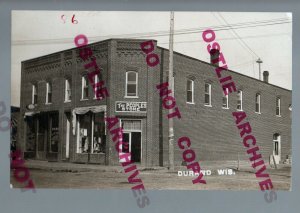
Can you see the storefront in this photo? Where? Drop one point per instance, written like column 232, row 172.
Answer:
column 42, row 135
column 89, row 134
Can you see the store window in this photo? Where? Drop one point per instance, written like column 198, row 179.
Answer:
column 30, row 134
column 54, row 133
column 91, row 136
column 131, row 84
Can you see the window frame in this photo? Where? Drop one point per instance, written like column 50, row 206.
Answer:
column 192, row 91
column 227, row 99
column 278, row 105
column 48, row 88
column 34, row 93
column 278, row 141
column 136, row 84
column 83, row 87
column 239, row 98
column 67, row 98
column 258, row 102
column 209, row 93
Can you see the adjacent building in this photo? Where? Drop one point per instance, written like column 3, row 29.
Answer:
column 61, row 119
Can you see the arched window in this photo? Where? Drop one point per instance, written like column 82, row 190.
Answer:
column 48, row 93
column 207, row 94
column 34, row 94
column 84, row 88
column 225, row 99
column 257, row 103
column 278, row 106
column 240, row 100
column 190, row 91
column 68, row 89
column 131, row 84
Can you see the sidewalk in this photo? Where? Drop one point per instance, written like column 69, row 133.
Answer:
column 77, row 167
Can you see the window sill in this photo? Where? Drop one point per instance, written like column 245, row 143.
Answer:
column 207, row 105
column 240, row 110
column 259, row 113
column 131, row 97
column 84, row 99
column 68, row 101
column 225, row 107
column 190, row 102
column 48, row 103
column 278, row 116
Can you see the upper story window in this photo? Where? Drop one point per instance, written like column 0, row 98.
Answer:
column 190, row 91
column 68, row 94
column 48, row 93
column 278, row 106
column 96, row 80
column 240, row 100
column 34, row 94
column 84, row 88
column 257, row 103
column 225, row 100
column 131, row 84
column 207, row 95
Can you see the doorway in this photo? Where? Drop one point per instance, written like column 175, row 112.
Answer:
column 277, row 147
column 132, row 140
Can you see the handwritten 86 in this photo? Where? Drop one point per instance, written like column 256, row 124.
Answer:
column 73, row 19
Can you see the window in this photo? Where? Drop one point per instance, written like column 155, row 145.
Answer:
column 49, row 93
column 278, row 110
column 240, row 100
column 276, row 141
column 84, row 88
column 131, row 84
column 67, row 90
column 91, row 133
column 225, row 100
column 190, row 91
column 257, row 103
column 96, row 80
column 34, row 94
column 207, row 96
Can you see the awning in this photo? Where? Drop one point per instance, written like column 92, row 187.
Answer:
column 30, row 113
column 83, row 110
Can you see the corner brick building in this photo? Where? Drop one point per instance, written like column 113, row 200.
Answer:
column 61, row 120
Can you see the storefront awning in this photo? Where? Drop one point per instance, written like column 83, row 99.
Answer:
column 83, row 110
column 30, row 113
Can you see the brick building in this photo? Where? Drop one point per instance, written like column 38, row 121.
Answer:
column 61, row 120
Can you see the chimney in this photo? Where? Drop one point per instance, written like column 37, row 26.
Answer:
column 214, row 56
column 266, row 76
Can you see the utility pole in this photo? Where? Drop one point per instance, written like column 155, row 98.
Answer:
column 171, row 85
column 259, row 61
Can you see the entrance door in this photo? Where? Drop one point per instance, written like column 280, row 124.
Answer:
column 277, row 148
column 132, row 139
column 135, row 145
column 132, row 144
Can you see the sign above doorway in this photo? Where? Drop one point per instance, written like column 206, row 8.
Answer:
column 125, row 106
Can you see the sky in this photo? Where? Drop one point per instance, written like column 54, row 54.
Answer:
column 243, row 37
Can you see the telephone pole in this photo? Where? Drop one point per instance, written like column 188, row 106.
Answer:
column 171, row 85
